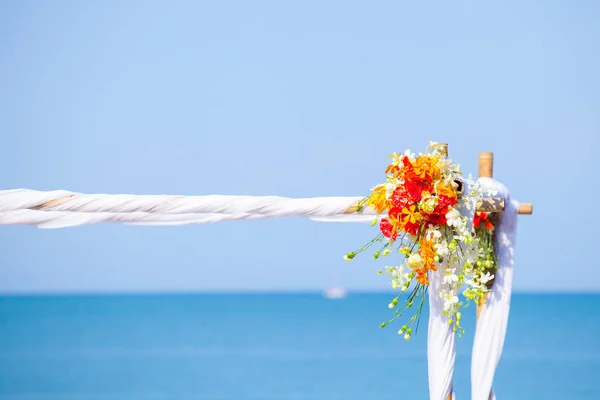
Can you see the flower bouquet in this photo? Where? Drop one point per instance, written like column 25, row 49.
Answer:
column 424, row 213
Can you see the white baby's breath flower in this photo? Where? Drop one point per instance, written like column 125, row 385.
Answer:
column 453, row 218
column 389, row 189
column 450, row 303
column 399, row 276
column 485, row 278
column 450, row 277
column 441, row 248
column 433, row 233
column 396, row 159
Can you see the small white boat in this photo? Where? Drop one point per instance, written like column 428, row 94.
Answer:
column 335, row 293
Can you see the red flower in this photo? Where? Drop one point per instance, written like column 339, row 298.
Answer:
column 446, row 201
column 412, row 227
column 394, row 213
column 436, row 219
column 415, row 188
column 478, row 218
column 388, row 230
column 400, row 198
column 438, row 216
column 481, row 217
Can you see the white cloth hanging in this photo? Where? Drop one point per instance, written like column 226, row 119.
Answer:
column 441, row 346
column 441, row 339
column 493, row 319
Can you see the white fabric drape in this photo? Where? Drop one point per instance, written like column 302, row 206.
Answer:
column 493, row 319
column 441, row 345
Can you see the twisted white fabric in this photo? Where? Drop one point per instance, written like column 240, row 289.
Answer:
column 64, row 219
column 493, row 319
column 61, row 208
column 72, row 209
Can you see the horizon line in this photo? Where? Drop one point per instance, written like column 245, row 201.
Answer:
column 321, row 292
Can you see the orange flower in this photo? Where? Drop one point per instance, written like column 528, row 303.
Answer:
column 406, row 172
column 395, row 166
column 427, row 253
column 422, row 278
column 378, row 200
column 425, row 167
column 392, row 169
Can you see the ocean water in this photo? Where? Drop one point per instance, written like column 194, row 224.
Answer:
column 276, row 347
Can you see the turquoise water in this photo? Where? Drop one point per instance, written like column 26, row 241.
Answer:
column 275, row 347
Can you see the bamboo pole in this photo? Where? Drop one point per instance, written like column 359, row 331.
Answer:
column 486, row 165
column 526, row 208
column 486, row 170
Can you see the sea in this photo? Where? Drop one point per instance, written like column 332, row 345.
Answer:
column 283, row 346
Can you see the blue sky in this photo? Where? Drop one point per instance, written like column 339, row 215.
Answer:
column 294, row 99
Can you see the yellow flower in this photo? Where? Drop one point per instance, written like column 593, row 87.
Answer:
column 410, row 215
column 378, row 199
column 444, row 190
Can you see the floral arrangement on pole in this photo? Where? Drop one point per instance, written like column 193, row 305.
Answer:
column 422, row 214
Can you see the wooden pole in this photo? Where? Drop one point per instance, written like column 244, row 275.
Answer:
column 486, row 165
column 526, row 208
column 486, row 170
